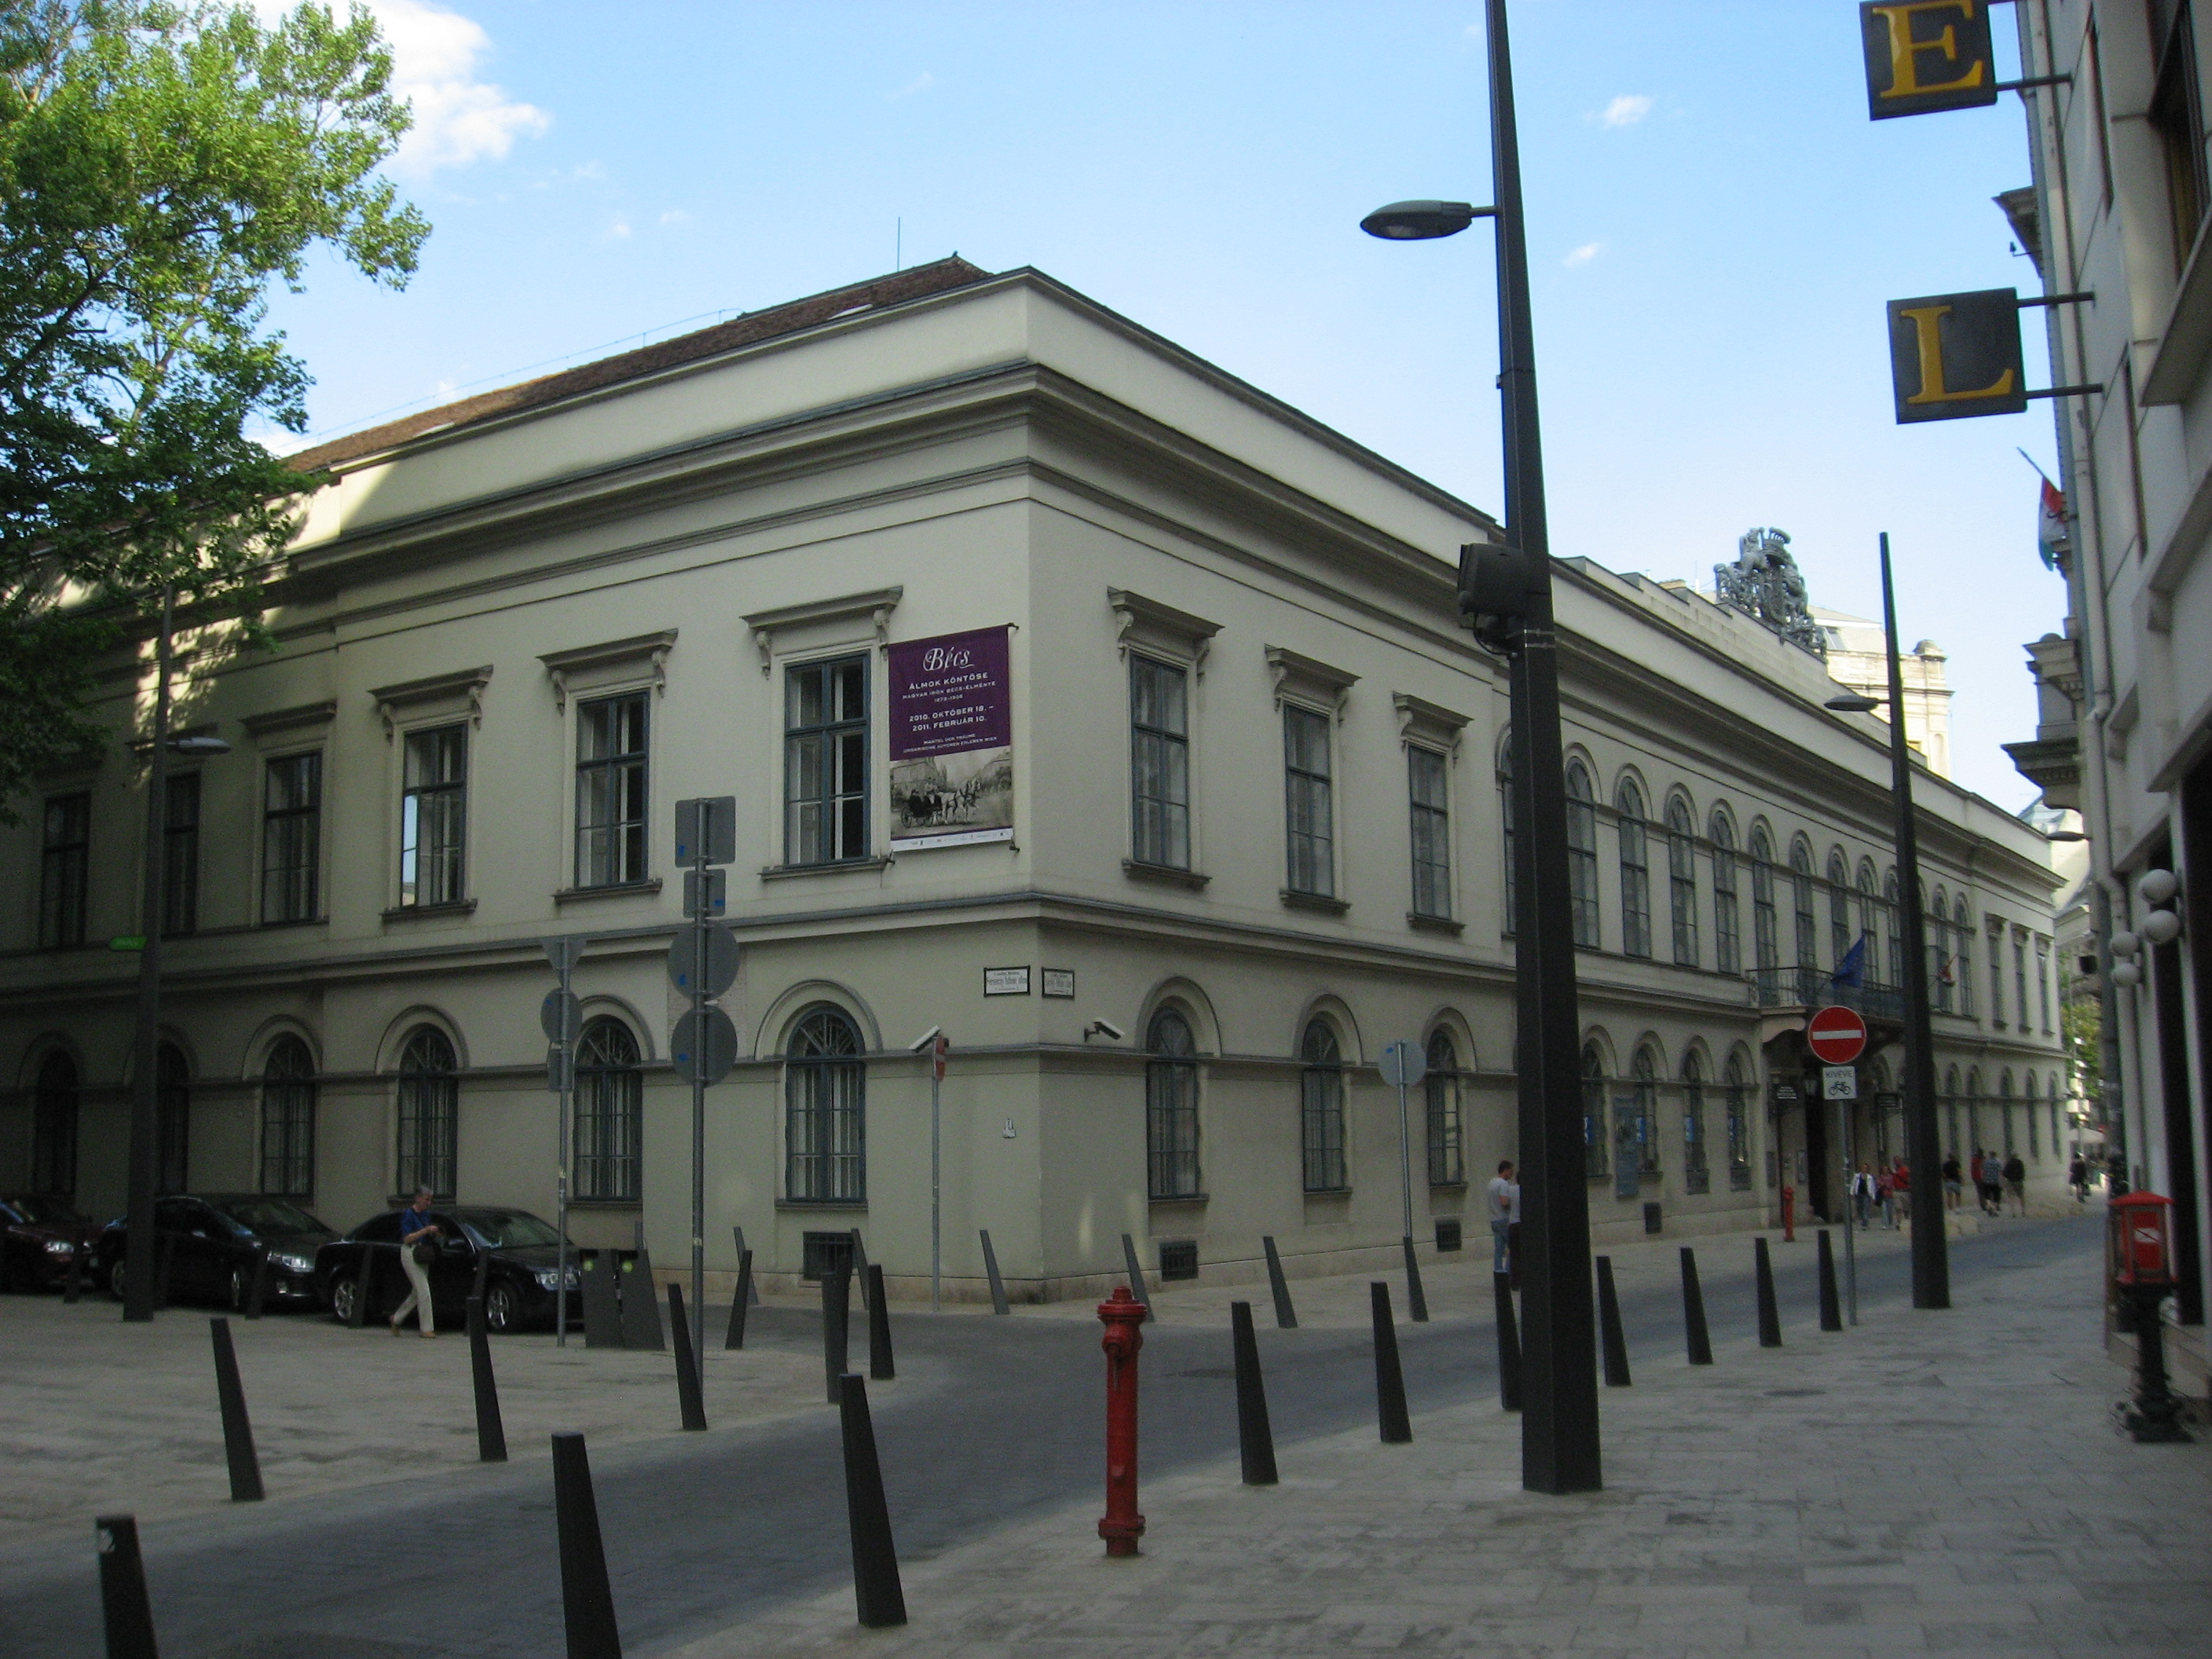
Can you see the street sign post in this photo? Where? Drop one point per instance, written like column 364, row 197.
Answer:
column 1402, row 1066
column 1839, row 1083
column 1837, row 1036
column 703, row 962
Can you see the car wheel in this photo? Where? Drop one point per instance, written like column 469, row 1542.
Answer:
column 502, row 1310
column 343, row 1291
column 115, row 1278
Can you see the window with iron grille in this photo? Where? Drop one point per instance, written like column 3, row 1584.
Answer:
column 1646, row 1127
column 1441, row 1095
column 1308, row 808
column 1596, row 1138
column 180, row 867
column 1728, row 947
column 825, row 1112
column 1765, row 920
column 292, row 837
column 1635, row 873
column 433, row 817
column 1178, row 1258
column 53, row 1125
column 429, row 1112
column 1696, row 1177
column 1171, row 1107
column 1840, row 939
column 1425, row 781
column 611, row 795
column 1321, row 1107
column 65, row 867
column 1159, row 764
column 1962, row 929
column 825, row 761
column 1581, row 854
column 1808, row 929
column 173, row 1120
column 287, row 1119
column 1682, row 881
column 610, row 1113
column 1736, row 1085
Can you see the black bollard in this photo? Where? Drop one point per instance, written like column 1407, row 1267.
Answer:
column 1508, row 1345
column 1254, row 1439
column 1693, row 1311
column 364, row 1290
column 483, row 1274
column 745, row 1295
column 1287, row 1317
column 1389, row 1379
column 237, row 1431
column 125, row 1606
column 860, row 1269
column 880, row 1367
column 587, row 1602
column 73, row 1286
column 835, row 1302
column 752, row 1290
column 1608, row 1328
column 256, row 1288
column 875, row 1563
column 687, row 1398
column 1770, row 1317
column 1137, row 1287
column 1831, row 1313
column 491, row 1432
column 1416, row 1304
column 991, row 1268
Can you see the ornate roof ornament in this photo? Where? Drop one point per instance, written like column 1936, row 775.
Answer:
column 1763, row 583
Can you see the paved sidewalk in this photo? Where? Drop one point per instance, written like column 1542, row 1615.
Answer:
column 1926, row 1481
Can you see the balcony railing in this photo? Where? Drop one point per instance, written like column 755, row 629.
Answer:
column 1813, row 987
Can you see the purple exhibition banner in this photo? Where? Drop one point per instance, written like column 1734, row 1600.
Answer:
column 951, row 741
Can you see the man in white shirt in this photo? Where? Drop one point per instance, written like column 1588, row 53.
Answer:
column 1505, row 1210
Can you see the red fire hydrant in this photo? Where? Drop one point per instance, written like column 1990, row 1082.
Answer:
column 1788, row 1215
column 1122, row 1314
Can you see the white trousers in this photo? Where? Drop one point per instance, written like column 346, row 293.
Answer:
column 418, row 1298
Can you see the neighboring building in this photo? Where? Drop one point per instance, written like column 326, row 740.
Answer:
column 1858, row 657
column 2123, row 201
column 1220, row 815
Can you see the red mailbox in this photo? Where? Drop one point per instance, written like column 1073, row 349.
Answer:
column 2142, row 1242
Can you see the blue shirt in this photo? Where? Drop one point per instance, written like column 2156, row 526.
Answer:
column 413, row 1221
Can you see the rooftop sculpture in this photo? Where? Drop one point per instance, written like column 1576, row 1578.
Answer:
column 1763, row 583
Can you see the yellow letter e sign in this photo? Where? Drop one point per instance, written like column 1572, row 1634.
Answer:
column 1955, row 355
column 1922, row 56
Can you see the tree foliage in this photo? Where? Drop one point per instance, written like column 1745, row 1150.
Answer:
column 161, row 165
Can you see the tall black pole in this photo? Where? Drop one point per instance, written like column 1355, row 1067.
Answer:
column 1931, row 1259
column 1559, row 1356
column 145, row 1060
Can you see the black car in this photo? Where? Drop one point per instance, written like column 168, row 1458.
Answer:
column 214, row 1241
column 42, row 1235
column 520, row 1255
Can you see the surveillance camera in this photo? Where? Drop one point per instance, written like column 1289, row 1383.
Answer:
column 1103, row 1028
column 921, row 1044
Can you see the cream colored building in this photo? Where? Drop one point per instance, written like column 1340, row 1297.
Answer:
column 1254, row 806
column 1858, row 657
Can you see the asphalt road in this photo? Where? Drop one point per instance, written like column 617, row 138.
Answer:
column 991, row 1418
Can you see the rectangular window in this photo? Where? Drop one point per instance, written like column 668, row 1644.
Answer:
column 1447, row 1165
column 180, row 868
column 2177, row 116
column 292, row 838
column 825, row 761
column 1320, row 1110
column 1309, row 810
column 2019, row 979
column 433, row 816
column 64, row 868
column 610, row 754
column 1727, row 949
column 2043, row 980
column 1159, row 764
column 1426, row 777
column 1171, row 1128
column 1997, row 979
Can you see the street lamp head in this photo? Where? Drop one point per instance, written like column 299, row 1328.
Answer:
column 198, row 746
column 2064, row 834
column 1418, row 221
column 1851, row 703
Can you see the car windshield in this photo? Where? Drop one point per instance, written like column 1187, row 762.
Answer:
column 44, row 1212
column 270, row 1215
column 508, row 1229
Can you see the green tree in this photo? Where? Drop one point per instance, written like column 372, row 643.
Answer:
column 161, row 165
column 2080, row 1020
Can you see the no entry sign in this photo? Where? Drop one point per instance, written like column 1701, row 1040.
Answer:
column 1837, row 1036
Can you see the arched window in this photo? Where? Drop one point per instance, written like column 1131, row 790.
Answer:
column 1696, row 1177
column 287, row 1119
column 1441, row 1089
column 2028, row 1105
column 1939, row 952
column 1683, row 880
column 2004, row 1108
column 2057, row 1141
column 610, row 1113
column 1764, row 930
column 1973, row 1099
column 429, row 1112
column 1840, row 939
column 1595, row 1161
column 826, row 1090
column 1643, row 1136
column 1893, row 913
column 1736, row 1084
column 1321, row 1107
column 1727, row 949
column 1582, row 853
column 1171, row 1107
column 1505, row 815
column 1807, row 930
column 173, row 1120
column 53, row 1125
column 1635, row 871
column 1962, row 938
column 1951, row 1113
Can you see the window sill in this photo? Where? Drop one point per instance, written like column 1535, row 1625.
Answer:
column 1329, row 1192
column 1420, row 923
column 606, row 1203
column 1320, row 903
column 1459, row 1186
column 1165, row 872
column 292, row 921
column 645, row 889
column 821, row 1205
column 786, row 872
column 1180, row 1198
column 421, row 912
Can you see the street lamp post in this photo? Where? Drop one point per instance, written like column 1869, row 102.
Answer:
column 1507, row 593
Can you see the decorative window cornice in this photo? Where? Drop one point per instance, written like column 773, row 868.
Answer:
column 294, row 719
column 1149, row 624
column 1307, row 679
column 876, row 605
column 1422, row 722
column 459, row 685
column 638, row 650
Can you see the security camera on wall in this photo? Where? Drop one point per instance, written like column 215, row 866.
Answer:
column 921, row 1044
column 1104, row 1028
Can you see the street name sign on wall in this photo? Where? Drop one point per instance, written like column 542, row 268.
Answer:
column 1955, row 356
column 1924, row 56
column 1837, row 1036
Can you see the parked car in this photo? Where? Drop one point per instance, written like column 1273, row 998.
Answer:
column 42, row 1235
column 520, row 1255
column 215, row 1239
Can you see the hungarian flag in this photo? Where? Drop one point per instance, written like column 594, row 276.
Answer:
column 2051, row 525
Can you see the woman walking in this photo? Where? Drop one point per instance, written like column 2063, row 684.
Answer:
column 418, row 1237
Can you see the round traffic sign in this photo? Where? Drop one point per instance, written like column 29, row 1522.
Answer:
column 705, row 958
column 705, row 1046
column 1837, row 1036
column 1403, row 1064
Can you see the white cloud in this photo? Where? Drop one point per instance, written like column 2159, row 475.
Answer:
column 618, row 231
column 921, row 82
column 1625, row 111
column 676, row 216
column 458, row 117
column 1582, row 255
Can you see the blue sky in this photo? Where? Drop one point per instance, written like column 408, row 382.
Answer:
column 1714, row 227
